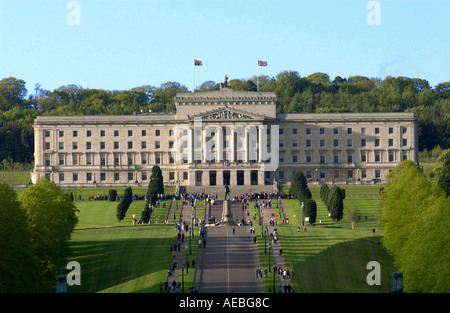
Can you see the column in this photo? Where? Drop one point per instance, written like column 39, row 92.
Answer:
column 245, row 145
column 219, row 144
column 260, row 143
column 205, row 152
column 190, row 146
column 232, row 144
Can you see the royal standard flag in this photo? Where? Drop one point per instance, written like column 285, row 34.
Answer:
column 262, row 63
column 198, row 63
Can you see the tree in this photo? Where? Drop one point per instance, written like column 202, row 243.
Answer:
column 353, row 216
column 112, row 196
column 19, row 269
column 336, row 203
column 415, row 219
column 51, row 217
column 442, row 170
column 299, row 186
column 155, row 187
column 124, row 204
column 310, row 210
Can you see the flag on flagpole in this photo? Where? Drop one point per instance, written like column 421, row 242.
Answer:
column 262, row 63
column 198, row 62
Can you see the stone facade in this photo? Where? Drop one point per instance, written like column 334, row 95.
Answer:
column 222, row 137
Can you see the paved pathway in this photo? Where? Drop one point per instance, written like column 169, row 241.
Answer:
column 229, row 261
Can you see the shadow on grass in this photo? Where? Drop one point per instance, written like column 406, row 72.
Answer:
column 137, row 259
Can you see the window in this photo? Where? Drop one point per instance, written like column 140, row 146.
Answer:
column 391, row 142
column 308, row 174
column 308, row 131
column 89, row 158
column 116, row 145
column 377, row 142
column 75, row 133
column 130, row 133
column 294, row 131
column 363, row 131
column 404, row 130
column 350, row 158
column 281, row 132
column 157, row 132
column 336, row 131
column 377, row 130
column 336, row 174
column 88, row 145
column 349, row 143
column 130, row 144
column 322, row 143
column 185, row 175
column 157, row 158
column 377, row 156
column 61, row 159
column 74, row 159
column 74, row 145
column 47, row 134
column 281, row 174
column 130, row 160
column 102, row 133
column 116, row 161
column 322, row 131
column 377, row 173
column 363, row 157
column 350, row 174
column 322, row 158
column 308, row 158
column 171, row 133
column 144, row 175
column 144, row 133
column 130, row 176
column 171, row 175
column 116, row 133
column 336, row 143
column 116, row 176
column 88, row 133
column 391, row 130
column 391, row 156
column 322, row 175
column 61, row 133
column 171, row 159
column 281, row 158
column 47, row 146
column 170, row 144
column 336, row 158
column 88, row 176
column 308, row 143
column 349, row 130
column 102, row 176
column 294, row 143
column 363, row 142
column 61, row 145
column 75, row 177
column 157, row 145
column 363, row 173
column 281, row 142
column 61, row 177
column 143, row 144
column 294, row 158
column 405, row 142
column 102, row 145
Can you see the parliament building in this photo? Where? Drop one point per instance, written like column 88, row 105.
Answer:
column 223, row 137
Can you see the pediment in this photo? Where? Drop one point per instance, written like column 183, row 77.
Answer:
column 227, row 113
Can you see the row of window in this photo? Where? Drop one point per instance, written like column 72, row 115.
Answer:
column 336, row 174
column 336, row 131
column 130, row 175
column 308, row 144
column 336, row 158
column 103, row 133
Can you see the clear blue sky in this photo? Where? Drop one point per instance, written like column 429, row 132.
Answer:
column 121, row 44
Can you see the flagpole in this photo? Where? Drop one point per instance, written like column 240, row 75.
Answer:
column 193, row 77
column 257, row 76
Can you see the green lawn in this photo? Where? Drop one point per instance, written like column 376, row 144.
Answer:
column 329, row 257
column 15, row 177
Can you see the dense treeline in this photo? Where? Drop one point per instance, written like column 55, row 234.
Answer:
column 314, row 93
